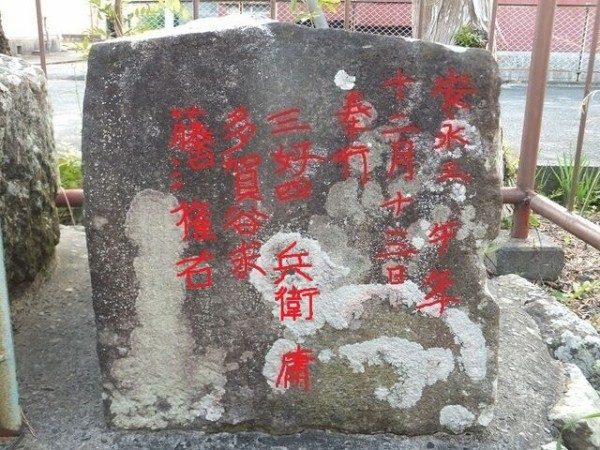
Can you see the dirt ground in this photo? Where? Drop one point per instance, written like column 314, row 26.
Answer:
column 579, row 284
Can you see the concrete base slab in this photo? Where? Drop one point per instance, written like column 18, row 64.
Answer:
column 534, row 258
column 61, row 383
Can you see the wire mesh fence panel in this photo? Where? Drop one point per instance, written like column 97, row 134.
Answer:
column 388, row 18
column 571, row 40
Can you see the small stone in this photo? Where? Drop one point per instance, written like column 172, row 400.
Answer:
column 579, row 400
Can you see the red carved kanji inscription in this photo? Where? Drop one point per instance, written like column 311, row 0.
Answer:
column 191, row 136
column 197, row 274
column 295, row 369
column 438, row 282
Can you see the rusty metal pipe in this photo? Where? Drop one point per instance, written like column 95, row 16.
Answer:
column 346, row 14
column 70, row 197
column 534, row 107
column 576, row 225
column 40, row 28
column 512, row 195
column 195, row 9
column 584, row 110
column 421, row 18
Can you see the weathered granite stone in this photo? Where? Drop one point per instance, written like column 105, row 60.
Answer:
column 27, row 170
column 374, row 354
column 578, row 401
column 569, row 338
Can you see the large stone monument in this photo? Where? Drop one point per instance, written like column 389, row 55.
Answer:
column 285, row 228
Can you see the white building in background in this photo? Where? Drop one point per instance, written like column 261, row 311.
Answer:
column 62, row 18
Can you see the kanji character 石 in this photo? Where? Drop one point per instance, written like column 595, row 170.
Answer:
column 399, row 83
column 244, row 223
column 243, row 259
column 438, row 282
column 191, row 136
column 442, row 233
column 448, row 136
column 451, row 172
column 295, row 369
column 453, row 88
column 355, row 114
column 344, row 156
column 195, row 220
column 398, row 203
column 196, row 277
column 287, row 121
column 239, row 127
column 290, row 302
column 289, row 263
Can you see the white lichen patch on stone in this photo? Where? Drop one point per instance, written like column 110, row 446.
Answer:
column 415, row 366
column 456, row 418
column 162, row 381
column 342, row 201
column 458, row 192
column 470, row 227
column 273, row 361
column 335, row 306
column 344, row 81
column 469, row 335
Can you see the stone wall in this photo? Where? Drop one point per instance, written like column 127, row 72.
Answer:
column 28, row 178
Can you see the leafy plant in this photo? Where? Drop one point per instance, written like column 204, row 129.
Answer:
column 70, row 172
column 581, row 289
column 588, row 188
column 571, row 424
column 139, row 20
column 304, row 14
column 469, row 35
column 510, row 164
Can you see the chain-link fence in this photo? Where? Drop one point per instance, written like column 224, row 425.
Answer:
column 572, row 35
column 515, row 27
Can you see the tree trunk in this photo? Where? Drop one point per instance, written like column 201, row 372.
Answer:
column 443, row 18
column 119, row 18
column 319, row 19
column 4, row 47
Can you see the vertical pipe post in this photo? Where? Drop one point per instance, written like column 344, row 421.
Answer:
column 195, row 9
column 40, row 28
column 493, row 18
column 534, row 107
column 10, row 413
column 273, row 4
column 584, row 110
column 346, row 14
column 421, row 18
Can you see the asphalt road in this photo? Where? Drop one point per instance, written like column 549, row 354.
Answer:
column 559, row 131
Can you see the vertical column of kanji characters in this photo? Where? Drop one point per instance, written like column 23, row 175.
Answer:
column 292, row 159
column 245, row 218
column 295, row 303
column 450, row 141
column 397, row 249
column 192, row 146
column 355, row 117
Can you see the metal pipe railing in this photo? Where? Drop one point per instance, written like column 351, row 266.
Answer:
column 532, row 124
column 40, row 30
column 10, row 413
column 584, row 110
